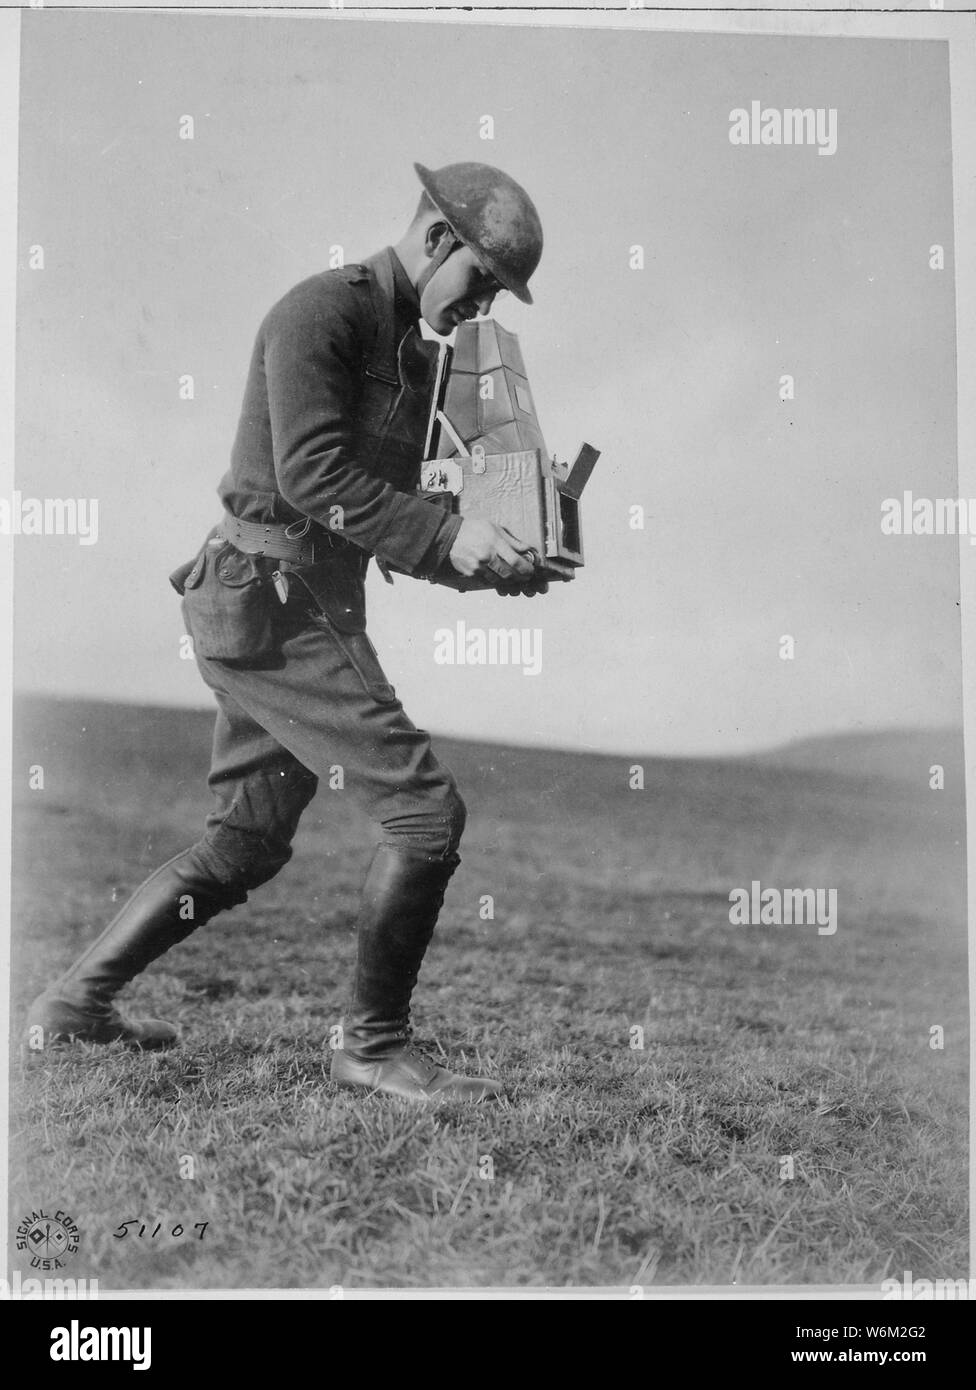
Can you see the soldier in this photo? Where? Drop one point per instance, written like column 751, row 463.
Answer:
column 322, row 475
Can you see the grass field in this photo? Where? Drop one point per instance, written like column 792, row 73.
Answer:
column 609, row 1164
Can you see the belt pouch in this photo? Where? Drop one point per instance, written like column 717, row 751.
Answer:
column 229, row 601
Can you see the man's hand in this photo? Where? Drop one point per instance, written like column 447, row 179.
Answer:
column 485, row 551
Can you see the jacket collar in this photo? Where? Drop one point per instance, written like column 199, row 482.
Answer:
column 396, row 308
column 407, row 301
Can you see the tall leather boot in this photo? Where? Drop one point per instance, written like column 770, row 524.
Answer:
column 169, row 905
column 402, row 896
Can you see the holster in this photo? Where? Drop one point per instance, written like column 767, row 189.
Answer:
column 337, row 584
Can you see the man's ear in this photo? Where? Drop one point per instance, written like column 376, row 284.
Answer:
column 435, row 235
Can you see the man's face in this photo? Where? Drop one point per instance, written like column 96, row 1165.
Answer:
column 459, row 289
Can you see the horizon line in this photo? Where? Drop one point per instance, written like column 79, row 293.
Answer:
column 19, row 695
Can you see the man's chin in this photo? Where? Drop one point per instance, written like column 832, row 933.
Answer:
column 443, row 324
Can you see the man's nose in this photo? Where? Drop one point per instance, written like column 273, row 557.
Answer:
column 485, row 301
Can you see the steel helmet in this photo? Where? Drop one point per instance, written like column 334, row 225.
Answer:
column 491, row 214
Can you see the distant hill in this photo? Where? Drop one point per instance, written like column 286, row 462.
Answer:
column 147, row 731
column 125, row 787
column 904, row 754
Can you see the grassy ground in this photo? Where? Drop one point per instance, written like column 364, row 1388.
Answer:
column 609, row 1164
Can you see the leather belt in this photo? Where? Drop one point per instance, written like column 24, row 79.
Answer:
column 268, row 538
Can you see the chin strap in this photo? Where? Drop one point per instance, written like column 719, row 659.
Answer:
column 447, row 246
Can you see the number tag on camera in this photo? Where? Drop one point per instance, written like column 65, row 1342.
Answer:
column 441, row 475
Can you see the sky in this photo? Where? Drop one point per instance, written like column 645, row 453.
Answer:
column 762, row 516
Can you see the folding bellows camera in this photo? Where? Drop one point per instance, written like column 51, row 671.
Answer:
column 485, row 452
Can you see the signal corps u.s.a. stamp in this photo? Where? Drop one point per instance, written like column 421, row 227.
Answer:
column 48, row 1240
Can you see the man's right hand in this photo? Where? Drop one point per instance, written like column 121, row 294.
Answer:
column 485, row 551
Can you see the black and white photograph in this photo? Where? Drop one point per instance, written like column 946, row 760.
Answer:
column 488, row 551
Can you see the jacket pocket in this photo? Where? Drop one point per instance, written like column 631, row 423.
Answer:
column 377, row 408
column 229, row 606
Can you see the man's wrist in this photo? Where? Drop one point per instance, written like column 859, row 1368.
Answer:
column 438, row 553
